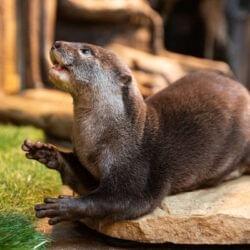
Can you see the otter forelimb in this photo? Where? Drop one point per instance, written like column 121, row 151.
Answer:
column 67, row 164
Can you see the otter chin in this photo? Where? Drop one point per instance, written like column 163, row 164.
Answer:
column 128, row 153
column 60, row 78
column 59, row 74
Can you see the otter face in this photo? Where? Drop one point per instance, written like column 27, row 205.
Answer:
column 81, row 65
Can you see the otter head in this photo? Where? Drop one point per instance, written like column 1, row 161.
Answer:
column 81, row 68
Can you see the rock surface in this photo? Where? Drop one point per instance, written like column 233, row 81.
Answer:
column 219, row 215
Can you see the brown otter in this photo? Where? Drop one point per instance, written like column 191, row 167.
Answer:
column 130, row 153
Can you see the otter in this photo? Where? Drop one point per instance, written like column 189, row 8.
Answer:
column 129, row 152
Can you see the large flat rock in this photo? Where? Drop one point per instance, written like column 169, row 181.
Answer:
column 219, row 215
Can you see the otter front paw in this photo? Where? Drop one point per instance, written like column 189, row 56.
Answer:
column 63, row 208
column 42, row 152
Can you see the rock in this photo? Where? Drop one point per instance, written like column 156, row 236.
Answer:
column 219, row 215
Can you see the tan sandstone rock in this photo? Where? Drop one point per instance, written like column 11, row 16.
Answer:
column 219, row 215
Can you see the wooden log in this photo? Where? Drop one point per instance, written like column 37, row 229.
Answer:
column 169, row 64
column 49, row 110
column 31, row 11
column 9, row 78
column 48, row 23
column 149, row 84
column 112, row 11
column 154, row 73
column 37, row 31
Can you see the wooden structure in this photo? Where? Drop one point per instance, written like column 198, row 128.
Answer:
column 29, row 27
column 9, row 77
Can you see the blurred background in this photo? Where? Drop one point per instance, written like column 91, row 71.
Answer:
column 154, row 34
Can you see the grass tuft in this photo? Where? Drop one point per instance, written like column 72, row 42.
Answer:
column 17, row 232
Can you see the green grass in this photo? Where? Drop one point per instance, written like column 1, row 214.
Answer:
column 23, row 183
column 17, row 232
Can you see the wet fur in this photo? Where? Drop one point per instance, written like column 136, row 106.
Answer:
column 130, row 153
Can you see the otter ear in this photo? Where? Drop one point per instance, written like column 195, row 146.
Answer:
column 125, row 79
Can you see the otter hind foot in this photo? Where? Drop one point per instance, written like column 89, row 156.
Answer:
column 44, row 153
column 63, row 208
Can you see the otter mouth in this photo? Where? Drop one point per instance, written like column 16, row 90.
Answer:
column 59, row 73
column 57, row 64
column 59, row 67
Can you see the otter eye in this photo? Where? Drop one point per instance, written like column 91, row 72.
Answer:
column 86, row 51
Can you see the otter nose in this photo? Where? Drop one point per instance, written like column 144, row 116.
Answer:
column 56, row 45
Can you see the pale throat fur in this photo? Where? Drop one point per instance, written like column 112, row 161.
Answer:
column 101, row 129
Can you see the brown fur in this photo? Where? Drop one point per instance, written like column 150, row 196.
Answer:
column 130, row 152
